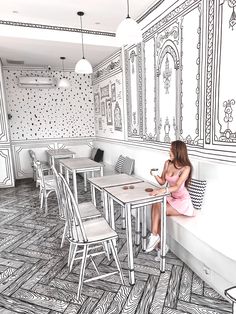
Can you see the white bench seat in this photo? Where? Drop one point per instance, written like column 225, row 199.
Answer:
column 200, row 243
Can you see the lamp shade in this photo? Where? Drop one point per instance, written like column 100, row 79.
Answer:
column 128, row 32
column 63, row 83
column 83, row 67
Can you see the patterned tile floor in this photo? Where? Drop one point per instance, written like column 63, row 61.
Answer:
column 34, row 277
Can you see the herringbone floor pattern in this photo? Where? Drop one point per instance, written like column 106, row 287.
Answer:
column 34, row 277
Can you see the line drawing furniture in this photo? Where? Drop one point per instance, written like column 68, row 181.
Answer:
column 47, row 185
column 99, row 183
column 60, row 153
column 87, row 209
column 133, row 199
column 45, row 165
column 89, row 236
column 79, row 165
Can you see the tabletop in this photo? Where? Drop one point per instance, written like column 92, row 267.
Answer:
column 113, row 180
column 60, row 152
column 132, row 193
column 79, row 163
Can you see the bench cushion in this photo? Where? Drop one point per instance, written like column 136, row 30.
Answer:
column 196, row 190
column 128, row 166
column 119, row 163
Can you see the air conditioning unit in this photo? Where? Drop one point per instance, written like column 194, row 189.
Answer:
column 36, row 82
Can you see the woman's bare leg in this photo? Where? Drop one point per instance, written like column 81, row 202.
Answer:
column 156, row 217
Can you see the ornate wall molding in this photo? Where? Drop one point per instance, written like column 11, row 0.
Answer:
column 107, row 69
column 209, row 72
column 174, row 14
column 5, row 161
column 57, row 28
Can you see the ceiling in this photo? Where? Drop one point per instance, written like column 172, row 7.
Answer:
column 42, row 47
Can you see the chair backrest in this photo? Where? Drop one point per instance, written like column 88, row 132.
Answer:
column 39, row 172
column 196, row 189
column 73, row 218
column 60, row 193
column 32, row 155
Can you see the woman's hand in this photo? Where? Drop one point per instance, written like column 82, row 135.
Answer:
column 157, row 192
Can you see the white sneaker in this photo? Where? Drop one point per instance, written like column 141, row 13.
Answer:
column 158, row 257
column 153, row 241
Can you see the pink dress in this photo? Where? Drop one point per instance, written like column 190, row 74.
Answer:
column 180, row 200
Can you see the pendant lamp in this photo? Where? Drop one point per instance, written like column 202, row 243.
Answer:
column 63, row 83
column 83, row 66
column 128, row 31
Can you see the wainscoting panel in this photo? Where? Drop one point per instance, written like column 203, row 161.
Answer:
column 6, row 173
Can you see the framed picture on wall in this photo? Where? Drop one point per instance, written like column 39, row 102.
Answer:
column 104, row 91
column 117, row 118
column 109, row 111
column 97, row 103
column 103, row 110
column 113, row 92
column 100, row 124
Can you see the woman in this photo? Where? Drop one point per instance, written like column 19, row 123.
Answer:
column 177, row 173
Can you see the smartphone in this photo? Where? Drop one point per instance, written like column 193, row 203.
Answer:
column 154, row 171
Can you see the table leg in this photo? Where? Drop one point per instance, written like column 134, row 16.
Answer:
column 93, row 195
column 85, row 181
column 163, row 235
column 101, row 172
column 122, row 217
column 137, row 226
column 129, row 244
column 105, row 206
column 61, row 169
column 144, row 228
column 75, row 186
column 67, row 176
column 112, row 215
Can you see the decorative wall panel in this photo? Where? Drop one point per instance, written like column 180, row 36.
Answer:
column 108, row 98
column 6, row 172
column 225, row 105
column 50, row 113
column 134, row 94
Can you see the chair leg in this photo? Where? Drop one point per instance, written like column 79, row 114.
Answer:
column 106, row 249
column 64, row 235
column 73, row 252
column 82, row 270
column 115, row 255
column 46, row 203
column 41, row 199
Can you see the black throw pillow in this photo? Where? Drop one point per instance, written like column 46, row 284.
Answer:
column 99, row 155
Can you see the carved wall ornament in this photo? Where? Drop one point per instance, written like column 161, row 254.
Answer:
column 167, row 131
column 132, row 58
column 117, row 117
column 232, row 20
column 228, row 135
column 109, row 111
column 167, row 75
column 105, row 91
column 169, row 32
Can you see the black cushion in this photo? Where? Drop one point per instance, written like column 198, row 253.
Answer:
column 196, row 190
column 99, row 155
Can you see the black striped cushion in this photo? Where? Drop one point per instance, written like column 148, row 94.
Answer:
column 128, row 166
column 119, row 163
column 196, row 190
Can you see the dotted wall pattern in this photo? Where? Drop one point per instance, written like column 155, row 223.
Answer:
column 39, row 113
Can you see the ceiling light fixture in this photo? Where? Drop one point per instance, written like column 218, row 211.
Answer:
column 63, row 82
column 83, row 66
column 128, row 31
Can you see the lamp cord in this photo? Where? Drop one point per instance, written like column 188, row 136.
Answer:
column 82, row 37
column 128, row 9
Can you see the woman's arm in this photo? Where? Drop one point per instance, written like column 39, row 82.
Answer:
column 161, row 179
column 182, row 178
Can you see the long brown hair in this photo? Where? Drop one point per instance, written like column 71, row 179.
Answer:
column 179, row 150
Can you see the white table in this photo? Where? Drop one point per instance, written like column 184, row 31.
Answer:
column 59, row 154
column 79, row 165
column 100, row 183
column 134, row 199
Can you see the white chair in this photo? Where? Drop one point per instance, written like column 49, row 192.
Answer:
column 45, row 165
column 47, row 185
column 88, row 210
column 89, row 236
